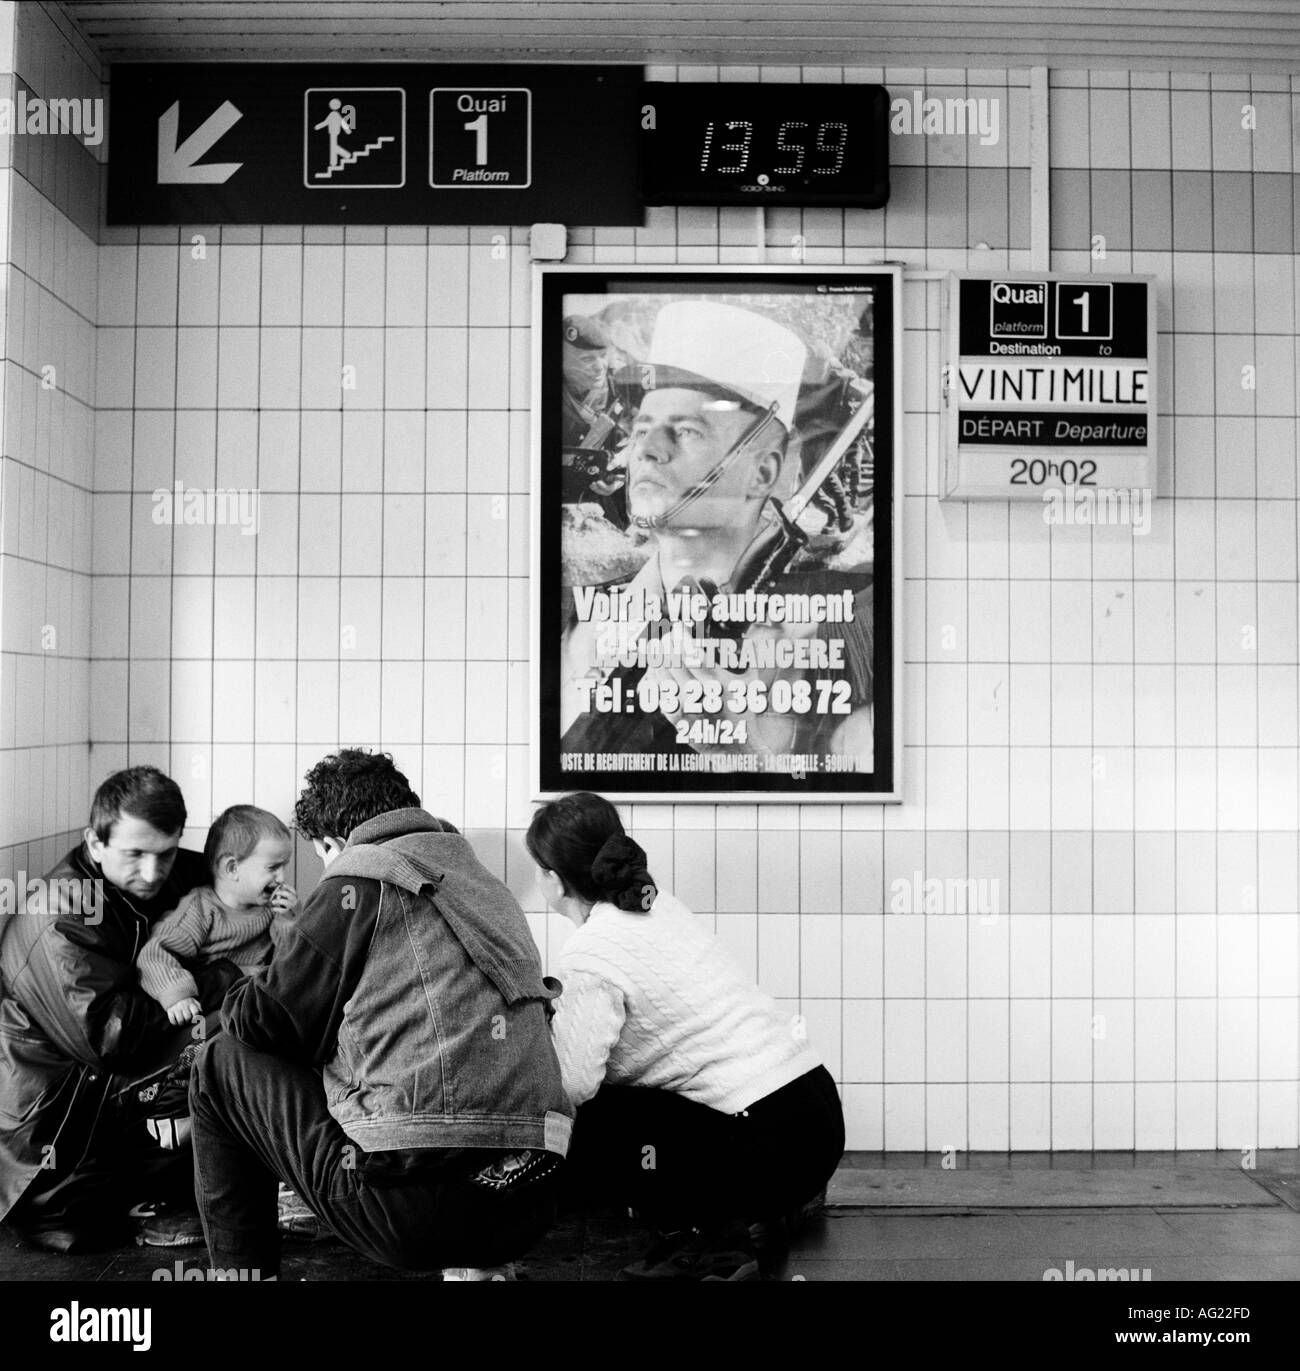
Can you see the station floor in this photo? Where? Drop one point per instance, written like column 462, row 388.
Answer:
column 1208, row 1220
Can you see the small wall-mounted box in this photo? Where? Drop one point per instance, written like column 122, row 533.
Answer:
column 548, row 242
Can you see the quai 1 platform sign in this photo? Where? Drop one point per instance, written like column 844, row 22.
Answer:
column 480, row 138
column 1049, row 383
column 373, row 143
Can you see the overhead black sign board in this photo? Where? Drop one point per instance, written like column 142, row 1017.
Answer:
column 326, row 143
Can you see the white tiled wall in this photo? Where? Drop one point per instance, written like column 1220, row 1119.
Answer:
column 1101, row 726
column 49, row 208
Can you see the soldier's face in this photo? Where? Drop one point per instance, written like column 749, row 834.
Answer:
column 678, row 437
column 136, row 858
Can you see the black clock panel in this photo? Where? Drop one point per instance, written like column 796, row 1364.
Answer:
column 723, row 144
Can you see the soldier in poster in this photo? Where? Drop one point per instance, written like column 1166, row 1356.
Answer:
column 730, row 619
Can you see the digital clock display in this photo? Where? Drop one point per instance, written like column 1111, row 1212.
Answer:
column 723, row 144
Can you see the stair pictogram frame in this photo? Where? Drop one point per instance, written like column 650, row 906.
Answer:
column 371, row 145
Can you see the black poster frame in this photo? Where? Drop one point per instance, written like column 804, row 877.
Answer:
column 568, row 313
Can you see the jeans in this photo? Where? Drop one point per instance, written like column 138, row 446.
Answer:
column 259, row 1119
column 679, row 1163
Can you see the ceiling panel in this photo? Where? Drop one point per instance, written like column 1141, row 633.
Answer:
column 1201, row 35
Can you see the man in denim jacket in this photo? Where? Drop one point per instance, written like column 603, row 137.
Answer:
column 394, row 1064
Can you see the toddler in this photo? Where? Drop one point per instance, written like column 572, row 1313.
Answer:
column 247, row 851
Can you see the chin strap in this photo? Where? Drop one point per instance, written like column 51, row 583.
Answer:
column 711, row 478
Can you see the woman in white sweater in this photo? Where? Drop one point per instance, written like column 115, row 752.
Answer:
column 700, row 1102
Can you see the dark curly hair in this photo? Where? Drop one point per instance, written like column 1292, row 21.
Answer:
column 145, row 793
column 346, row 789
column 581, row 838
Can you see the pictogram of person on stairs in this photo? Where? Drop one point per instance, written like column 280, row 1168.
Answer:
column 341, row 119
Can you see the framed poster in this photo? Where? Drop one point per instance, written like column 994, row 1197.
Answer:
column 716, row 532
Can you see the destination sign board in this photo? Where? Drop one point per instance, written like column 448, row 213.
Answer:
column 1049, row 382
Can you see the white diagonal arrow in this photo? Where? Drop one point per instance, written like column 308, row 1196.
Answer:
column 176, row 164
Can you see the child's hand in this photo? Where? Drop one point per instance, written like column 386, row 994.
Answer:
column 185, row 1011
column 284, row 899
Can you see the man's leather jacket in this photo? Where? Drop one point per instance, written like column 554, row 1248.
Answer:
column 75, row 1026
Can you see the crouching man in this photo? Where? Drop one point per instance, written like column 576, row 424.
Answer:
column 85, row 1055
column 394, row 1064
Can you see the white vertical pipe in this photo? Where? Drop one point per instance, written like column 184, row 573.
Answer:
column 1040, row 209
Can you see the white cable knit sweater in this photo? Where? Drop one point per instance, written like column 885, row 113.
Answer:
column 656, row 1000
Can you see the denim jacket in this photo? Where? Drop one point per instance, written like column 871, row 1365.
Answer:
column 412, row 979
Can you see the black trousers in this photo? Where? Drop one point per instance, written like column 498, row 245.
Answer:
column 260, row 1119
column 122, row 1166
column 679, row 1163
column 108, row 1162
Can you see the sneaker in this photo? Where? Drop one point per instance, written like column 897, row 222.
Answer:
column 769, row 1239
column 669, row 1249
column 694, row 1256
column 735, row 1264
column 295, row 1220
column 171, row 1134
column 807, row 1212
column 73, row 1241
column 160, row 1224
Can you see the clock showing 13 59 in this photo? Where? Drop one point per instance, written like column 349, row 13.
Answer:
column 747, row 144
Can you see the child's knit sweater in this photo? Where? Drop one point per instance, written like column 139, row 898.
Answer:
column 656, row 1000
column 201, row 929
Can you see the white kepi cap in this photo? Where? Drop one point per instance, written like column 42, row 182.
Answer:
column 728, row 349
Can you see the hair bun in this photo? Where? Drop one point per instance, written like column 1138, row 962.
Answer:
column 620, row 873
